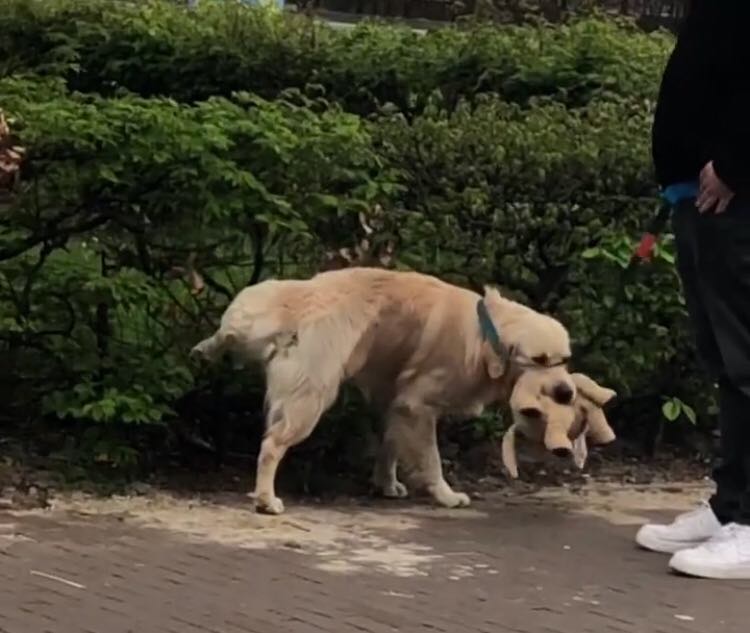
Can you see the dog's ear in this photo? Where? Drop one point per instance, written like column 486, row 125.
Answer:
column 495, row 357
column 592, row 390
column 494, row 364
column 492, row 295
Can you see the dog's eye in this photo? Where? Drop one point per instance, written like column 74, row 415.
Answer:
column 545, row 361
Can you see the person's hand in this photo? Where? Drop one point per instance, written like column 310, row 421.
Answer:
column 713, row 194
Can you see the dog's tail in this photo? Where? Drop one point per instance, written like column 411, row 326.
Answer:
column 212, row 349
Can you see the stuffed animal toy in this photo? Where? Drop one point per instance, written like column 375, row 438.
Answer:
column 544, row 425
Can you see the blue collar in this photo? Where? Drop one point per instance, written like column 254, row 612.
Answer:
column 489, row 331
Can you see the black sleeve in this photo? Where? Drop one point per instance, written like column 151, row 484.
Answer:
column 731, row 147
column 732, row 153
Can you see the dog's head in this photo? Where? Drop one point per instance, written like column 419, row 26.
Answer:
column 563, row 429
column 522, row 342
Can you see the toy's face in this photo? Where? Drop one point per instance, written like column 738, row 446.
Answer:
column 558, row 426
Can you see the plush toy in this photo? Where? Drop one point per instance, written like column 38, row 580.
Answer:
column 544, row 425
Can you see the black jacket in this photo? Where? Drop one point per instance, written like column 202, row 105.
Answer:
column 703, row 112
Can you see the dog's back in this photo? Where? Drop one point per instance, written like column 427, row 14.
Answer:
column 364, row 323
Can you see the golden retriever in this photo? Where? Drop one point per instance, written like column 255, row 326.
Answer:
column 417, row 347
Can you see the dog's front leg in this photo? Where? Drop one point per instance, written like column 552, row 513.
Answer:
column 415, row 433
column 432, row 467
column 385, row 475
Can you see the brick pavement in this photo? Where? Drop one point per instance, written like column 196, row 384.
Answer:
column 508, row 565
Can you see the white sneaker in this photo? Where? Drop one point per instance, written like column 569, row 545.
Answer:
column 726, row 556
column 686, row 531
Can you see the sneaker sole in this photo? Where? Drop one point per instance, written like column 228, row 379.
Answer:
column 708, row 573
column 655, row 544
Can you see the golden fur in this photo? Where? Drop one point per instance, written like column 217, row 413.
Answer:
column 548, row 426
column 410, row 342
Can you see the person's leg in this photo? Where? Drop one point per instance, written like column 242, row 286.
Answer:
column 714, row 256
column 731, row 470
column 723, row 273
column 724, row 277
column 693, row 528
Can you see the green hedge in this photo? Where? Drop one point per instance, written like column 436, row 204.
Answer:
column 547, row 203
column 97, row 300
column 138, row 217
column 159, row 48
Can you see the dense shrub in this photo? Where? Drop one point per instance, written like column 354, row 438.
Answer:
column 137, row 216
column 159, row 48
column 120, row 196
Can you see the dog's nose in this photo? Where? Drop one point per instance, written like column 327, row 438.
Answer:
column 562, row 453
column 562, row 393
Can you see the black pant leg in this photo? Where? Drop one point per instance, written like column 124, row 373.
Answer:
column 731, row 502
column 714, row 265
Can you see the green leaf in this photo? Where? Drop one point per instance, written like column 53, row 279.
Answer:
column 591, row 253
column 672, row 409
column 689, row 414
column 106, row 173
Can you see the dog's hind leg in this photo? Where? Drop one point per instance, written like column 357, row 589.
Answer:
column 289, row 423
column 415, row 433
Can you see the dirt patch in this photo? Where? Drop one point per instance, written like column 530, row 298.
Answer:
column 343, row 540
column 351, row 538
column 10, row 533
column 627, row 505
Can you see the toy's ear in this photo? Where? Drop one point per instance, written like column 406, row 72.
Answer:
column 599, row 431
column 580, row 451
column 510, row 460
column 592, row 390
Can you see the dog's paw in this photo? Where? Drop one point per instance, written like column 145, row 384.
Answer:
column 448, row 498
column 273, row 506
column 457, row 500
column 395, row 490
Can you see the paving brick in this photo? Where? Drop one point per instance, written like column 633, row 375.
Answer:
column 504, row 574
